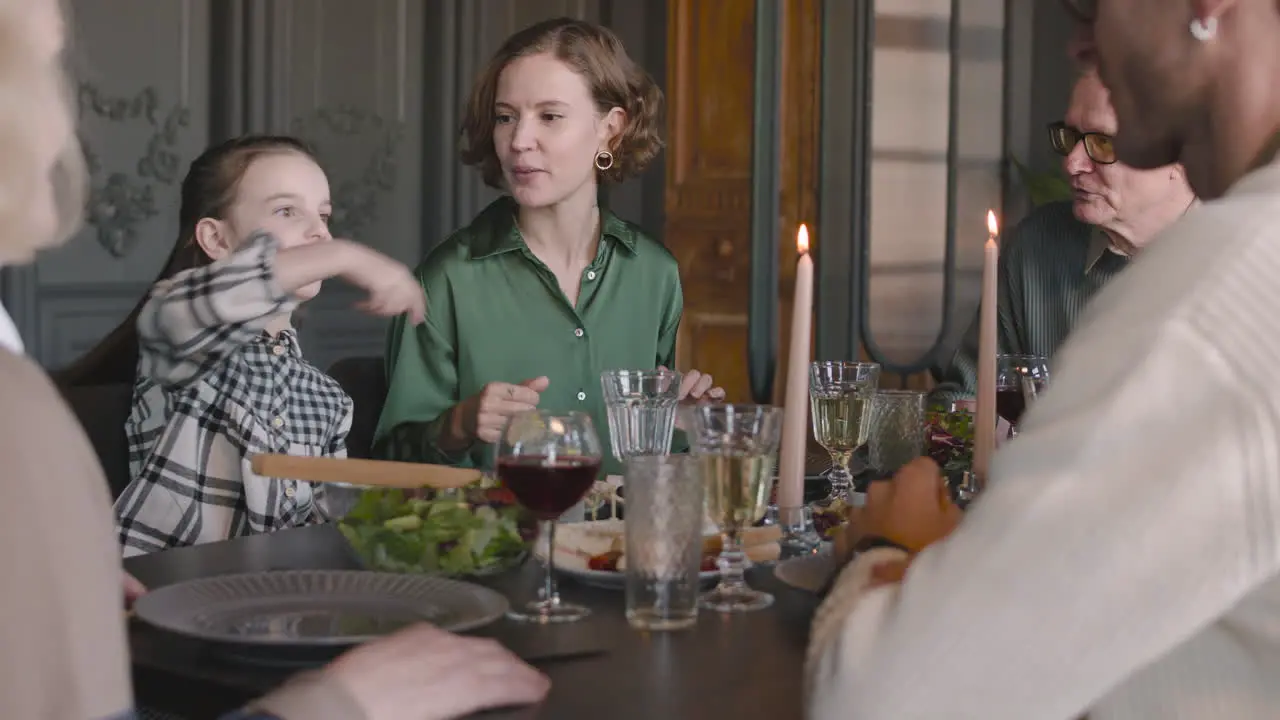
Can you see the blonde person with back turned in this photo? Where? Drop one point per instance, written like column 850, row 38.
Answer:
column 63, row 652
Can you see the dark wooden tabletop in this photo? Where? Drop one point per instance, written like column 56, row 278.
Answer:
column 740, row 666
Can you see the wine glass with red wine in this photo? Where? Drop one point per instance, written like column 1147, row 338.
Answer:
column 548, row 461
column 1019, row 381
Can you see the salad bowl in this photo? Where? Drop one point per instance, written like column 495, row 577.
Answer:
column 471, row 531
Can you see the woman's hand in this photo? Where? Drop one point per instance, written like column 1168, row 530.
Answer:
column 698, row 386
column 483, row 415
column 428, row 674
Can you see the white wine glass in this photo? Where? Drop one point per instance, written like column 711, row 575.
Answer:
column 737, row 446
column 840, row 396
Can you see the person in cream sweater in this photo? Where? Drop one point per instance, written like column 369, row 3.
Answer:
column 1124, row 561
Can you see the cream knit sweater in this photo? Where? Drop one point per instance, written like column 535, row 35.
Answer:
column 1124, row 561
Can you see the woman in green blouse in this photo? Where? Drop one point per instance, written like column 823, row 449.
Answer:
column 544, row 290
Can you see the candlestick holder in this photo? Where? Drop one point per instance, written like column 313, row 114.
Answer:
column 966, row 488
column 799, row 536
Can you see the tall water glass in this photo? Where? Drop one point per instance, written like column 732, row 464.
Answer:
column 840, row 398
column 641, row 405
column 737, row 446
column 663, row 541
column 897, row 429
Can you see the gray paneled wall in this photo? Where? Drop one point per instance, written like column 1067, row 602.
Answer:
column 376, row 85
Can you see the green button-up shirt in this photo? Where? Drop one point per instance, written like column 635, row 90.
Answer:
column 1051, row 266
column 495, row 313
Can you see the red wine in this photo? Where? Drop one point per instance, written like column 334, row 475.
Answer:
column 1010, row 405
column 548, row 488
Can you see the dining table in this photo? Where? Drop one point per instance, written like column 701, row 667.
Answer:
column 742, row 665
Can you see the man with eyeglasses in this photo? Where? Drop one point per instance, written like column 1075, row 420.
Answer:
column 1054, row 261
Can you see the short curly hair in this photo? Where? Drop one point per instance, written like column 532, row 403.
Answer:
column 615, row 81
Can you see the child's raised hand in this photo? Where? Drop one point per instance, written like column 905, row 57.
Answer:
column 392, row 287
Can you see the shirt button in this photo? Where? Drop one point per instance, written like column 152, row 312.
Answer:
column 278, row 350
column 582, row 395
column 278, row 421
column 591, row 274
column 577, row 332
column 289, row 491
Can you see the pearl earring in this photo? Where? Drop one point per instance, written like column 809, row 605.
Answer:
column 1204, row 30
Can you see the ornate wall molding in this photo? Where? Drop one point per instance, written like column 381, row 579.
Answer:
column 120, row 202
column 355, row 200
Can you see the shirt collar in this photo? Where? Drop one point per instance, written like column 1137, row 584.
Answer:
column 494, row 231
column 1100, row 243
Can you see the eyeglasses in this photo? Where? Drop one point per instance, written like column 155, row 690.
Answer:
column 1084, row 11
column 1097, row 146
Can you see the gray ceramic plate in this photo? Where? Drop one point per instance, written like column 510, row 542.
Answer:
column 315, row 608
column 806, row 572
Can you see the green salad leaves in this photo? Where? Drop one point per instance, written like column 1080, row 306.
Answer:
column 450, row 534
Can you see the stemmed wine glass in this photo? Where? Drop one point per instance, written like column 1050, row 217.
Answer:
column 1019, row 381
column 840, row 395
column 548, row 461
column 736, row 446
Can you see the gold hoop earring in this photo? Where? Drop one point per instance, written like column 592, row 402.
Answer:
column 604, row 160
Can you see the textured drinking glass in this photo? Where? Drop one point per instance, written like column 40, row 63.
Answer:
column 737, row 446
column 840, row 400
column 663, row 540
column 548, row 461
column 641, row 405
column 897, row 428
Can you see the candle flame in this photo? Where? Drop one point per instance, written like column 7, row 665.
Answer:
column 992, row 228
column 802, row 240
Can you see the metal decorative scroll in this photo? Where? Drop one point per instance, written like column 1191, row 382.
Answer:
column 355, row 200
column 762, row 314
column 120, row 202
column 861, row 304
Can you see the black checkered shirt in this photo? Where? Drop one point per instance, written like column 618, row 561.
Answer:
column 213, row 389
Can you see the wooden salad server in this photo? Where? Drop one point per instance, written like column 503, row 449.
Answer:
column 373, row 473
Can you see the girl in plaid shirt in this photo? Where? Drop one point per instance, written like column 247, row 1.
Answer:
column 220, row 376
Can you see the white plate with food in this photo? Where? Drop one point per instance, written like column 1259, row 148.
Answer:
column 594, row 552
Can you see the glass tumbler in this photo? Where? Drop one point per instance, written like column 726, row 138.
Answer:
column 897, row 429
column 663, row 541
column 641, row 406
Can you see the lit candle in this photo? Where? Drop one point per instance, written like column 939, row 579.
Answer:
column 984, row 431
column 796, row 402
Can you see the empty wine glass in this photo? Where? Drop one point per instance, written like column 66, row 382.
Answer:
column 840, row 395
column 737, row 445
column 1019, row 381
column 548, row 461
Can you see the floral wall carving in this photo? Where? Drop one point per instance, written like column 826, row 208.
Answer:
column 355, row 200
column 120, row 202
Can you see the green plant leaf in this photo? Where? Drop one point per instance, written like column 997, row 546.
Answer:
column 1042, row 187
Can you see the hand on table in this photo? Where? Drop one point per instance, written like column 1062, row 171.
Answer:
column 483, row 415
column 914, row 510
column 424, row 673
